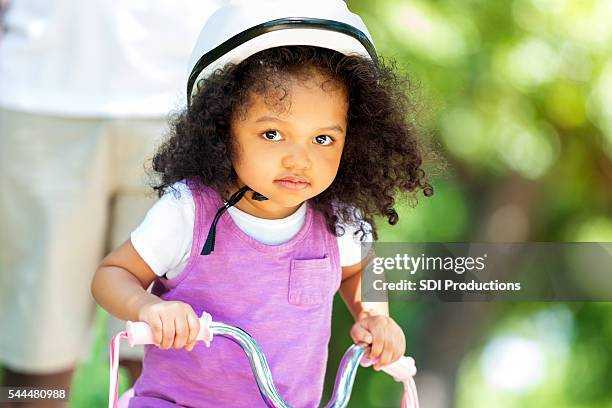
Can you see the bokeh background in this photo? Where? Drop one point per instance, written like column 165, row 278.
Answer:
column 517, row 100
column 514, row 99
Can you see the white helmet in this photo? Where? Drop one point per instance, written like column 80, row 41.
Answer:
column 242, row 28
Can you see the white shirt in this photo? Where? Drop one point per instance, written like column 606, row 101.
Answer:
column 99, row 57
column 164, row 238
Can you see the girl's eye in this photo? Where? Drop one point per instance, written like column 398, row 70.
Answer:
column 272, row 135
column 323, row 140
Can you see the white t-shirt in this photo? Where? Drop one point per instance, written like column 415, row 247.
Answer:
column 99, row 58
column 164, row 238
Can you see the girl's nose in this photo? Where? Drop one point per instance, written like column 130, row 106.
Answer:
column 297, row 158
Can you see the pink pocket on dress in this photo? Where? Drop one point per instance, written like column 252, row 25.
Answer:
column 311, row 281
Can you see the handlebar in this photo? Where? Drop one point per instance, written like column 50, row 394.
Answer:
column 401, row 370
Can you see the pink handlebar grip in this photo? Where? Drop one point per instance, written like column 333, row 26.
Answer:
column 140, row 332
column 401, row 370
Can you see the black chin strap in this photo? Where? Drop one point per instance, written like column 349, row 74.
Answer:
column 209, row 245
column 258, row 197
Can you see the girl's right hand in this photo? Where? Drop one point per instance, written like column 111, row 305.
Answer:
column 173, row 324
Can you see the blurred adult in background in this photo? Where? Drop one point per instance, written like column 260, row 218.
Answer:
column 85, row 88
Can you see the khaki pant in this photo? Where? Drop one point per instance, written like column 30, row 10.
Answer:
column 71, row 189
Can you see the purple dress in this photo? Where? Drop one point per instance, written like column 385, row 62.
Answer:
column 280, row 294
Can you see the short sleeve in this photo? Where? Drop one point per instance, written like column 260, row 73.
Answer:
column 350, row 245
column 164, row 237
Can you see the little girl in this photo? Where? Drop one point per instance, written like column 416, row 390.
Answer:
column 295, row 136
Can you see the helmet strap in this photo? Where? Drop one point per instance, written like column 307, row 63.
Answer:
column 209, row 245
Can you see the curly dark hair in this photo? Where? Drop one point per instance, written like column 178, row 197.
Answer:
column 372, row 171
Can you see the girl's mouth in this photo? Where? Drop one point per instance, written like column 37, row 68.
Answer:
column 292, row 185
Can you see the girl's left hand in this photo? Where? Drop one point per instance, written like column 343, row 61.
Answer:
column 386, row 339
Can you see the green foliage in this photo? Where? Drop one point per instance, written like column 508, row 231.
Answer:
column 517, row 100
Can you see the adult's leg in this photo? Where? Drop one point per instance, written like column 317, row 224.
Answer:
column 134, row 141
column 53, row 212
